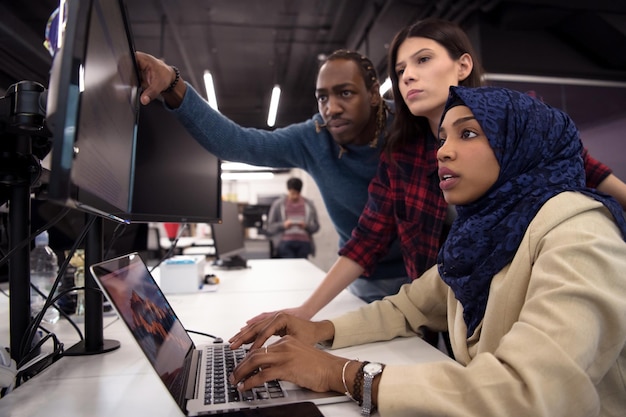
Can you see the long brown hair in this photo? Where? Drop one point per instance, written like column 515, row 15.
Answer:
column 406, row 127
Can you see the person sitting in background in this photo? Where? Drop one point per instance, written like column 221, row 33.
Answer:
column 529, row 283
column 291, row 223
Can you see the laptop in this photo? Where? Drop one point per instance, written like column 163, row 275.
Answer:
column 186, row 369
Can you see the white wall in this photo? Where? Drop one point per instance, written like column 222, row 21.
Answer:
column 326, row 239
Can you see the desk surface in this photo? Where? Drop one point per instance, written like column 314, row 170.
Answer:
column 123, row 383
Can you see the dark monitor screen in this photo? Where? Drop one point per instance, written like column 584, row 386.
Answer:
column 255, row 215
column 176, row 179
column 268, row 199
column 228, row 236
column 92, row 109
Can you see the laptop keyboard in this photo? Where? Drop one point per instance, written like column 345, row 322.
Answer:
column 220, row 362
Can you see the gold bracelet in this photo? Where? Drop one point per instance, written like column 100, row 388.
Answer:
column 343, row 379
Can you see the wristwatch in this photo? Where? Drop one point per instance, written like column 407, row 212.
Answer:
column 369, row 372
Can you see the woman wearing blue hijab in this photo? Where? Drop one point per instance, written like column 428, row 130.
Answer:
column 530, row 284
column 538, row 152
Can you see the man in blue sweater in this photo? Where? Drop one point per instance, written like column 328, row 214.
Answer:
column 339, row 147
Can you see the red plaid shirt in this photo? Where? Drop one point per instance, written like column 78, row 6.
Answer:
column 405, row 200
column 595, row 170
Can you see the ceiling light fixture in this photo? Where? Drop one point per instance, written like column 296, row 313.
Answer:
column 210, row 89
column 60, row 24
column 384, row 87
column 271, row 116
column 246, row 176
column 241, row 167
column 552, row 80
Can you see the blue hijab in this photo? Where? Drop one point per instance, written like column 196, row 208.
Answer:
column 539, row 152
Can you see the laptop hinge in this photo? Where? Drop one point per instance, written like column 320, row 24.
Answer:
column 193, row 373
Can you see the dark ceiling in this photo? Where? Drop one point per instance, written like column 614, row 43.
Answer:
column 251, row 45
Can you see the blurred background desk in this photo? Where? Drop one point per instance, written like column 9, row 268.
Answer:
column 122, row 383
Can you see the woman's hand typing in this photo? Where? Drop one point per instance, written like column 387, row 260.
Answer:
column 293, row 360
column 281, row 324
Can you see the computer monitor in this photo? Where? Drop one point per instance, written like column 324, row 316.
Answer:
column 92, row 109
column 255, row 216
column 228, row 238
column 117, row 238
column 267, row 199
column 176, row 179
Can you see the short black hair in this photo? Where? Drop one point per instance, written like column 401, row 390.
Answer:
column 294, row 184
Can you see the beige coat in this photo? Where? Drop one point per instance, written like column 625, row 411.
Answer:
column 552, row 342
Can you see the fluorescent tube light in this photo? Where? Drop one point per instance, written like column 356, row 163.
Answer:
column 240, row 166
column 60, row 25
column 81, row 78
column 552, row 80
column 271, row 116
column 246, row 176
column 384, row 87
column 210, row 89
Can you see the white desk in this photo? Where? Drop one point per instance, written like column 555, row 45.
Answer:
column 122, row 383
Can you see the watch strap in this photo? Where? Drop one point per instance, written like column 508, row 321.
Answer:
column 368, row 380
column 366, row 409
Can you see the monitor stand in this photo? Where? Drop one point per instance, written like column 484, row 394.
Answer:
column 233, row 262
column 94, row 343
column 23, row 142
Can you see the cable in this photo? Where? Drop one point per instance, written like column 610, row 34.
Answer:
column 34, row 324
column 27, row 241
column 172, row 246
column 60, row 295
column 217, row 339
column 117, row 233
column 36, row 367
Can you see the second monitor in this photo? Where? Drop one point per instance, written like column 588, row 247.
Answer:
column 228, row 238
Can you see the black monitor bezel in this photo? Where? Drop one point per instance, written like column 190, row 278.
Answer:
column 223, row 228
column 188, row 204
column 64, row 122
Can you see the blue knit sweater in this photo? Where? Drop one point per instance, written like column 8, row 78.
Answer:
column 342, row 181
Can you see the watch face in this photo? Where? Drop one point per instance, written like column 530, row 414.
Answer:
column 373, row 368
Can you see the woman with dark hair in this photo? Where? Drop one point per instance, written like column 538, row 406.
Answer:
column 405, row 201
column 529, row 284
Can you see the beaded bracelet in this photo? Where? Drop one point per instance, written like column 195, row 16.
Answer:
column 358, row 384
column 343, row 379
column 173, row 84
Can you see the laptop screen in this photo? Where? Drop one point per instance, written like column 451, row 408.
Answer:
column 145, row 310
